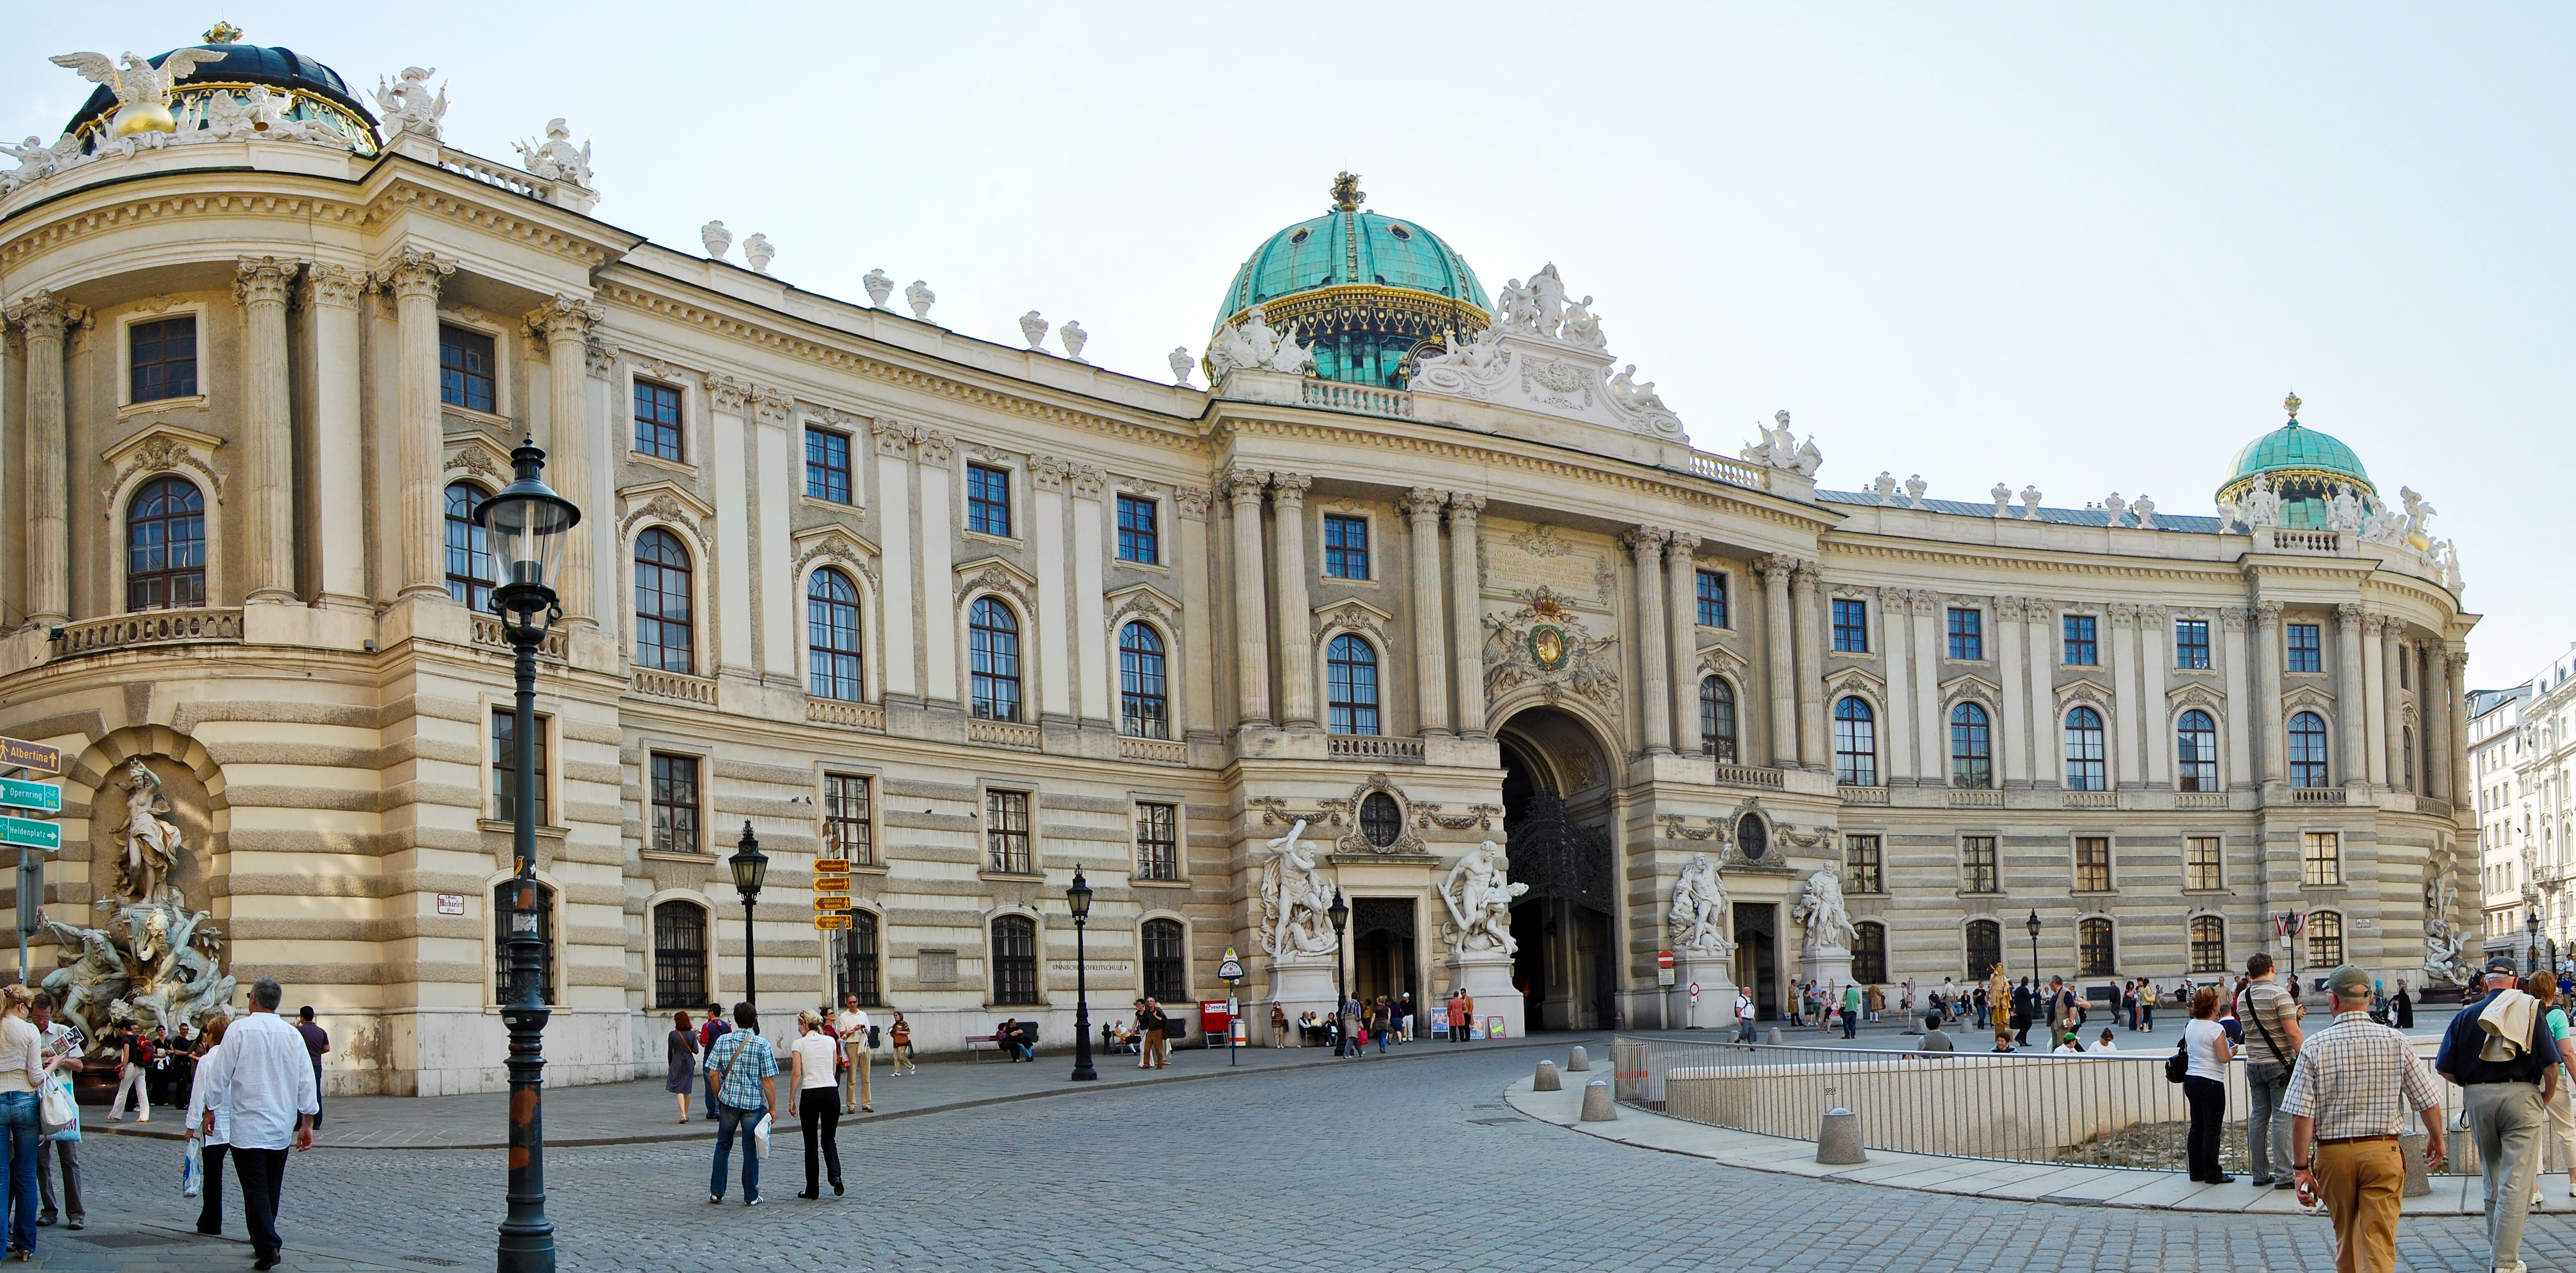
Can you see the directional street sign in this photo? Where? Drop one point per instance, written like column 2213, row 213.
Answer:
column 831, row 884
column 1229, row 968
column 826, row 923
column 18, row 751
column 31, row 833
column 832, row 902
column 831, row 866
column 43, row 797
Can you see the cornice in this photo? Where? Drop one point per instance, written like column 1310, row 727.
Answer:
column 1916, row 552
column 136, row 210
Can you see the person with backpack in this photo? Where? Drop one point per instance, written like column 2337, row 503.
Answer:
column 710, row 1030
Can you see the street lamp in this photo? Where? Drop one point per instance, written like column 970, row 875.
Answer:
column 1078, row 900
column 2531, row 925
column 2033, row 925
column 525, row 524
column 1340, row 910
column 750, row 870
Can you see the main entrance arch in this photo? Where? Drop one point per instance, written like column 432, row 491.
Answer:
column 1556, row 813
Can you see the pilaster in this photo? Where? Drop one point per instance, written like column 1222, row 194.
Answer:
column 899, row 610
column 1251, row 599
column 1781, row 671
column 260, row 284
column 2352, row 706
column 1467, row 612
column 1814, row 751
column 565, row 324
column 337, row 436
column 1681, row 621
column 1646, row 546
column 42, row 319
column 1296, row 613
column 1049, row 526
column 1430, row 647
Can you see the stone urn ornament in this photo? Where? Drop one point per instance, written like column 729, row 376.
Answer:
column 1074, row 338
column 879, row 287
column 716, row 237
column 1035, row 329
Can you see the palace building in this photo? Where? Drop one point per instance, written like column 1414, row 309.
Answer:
column 1424, row 567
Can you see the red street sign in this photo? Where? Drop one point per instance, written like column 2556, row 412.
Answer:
column 1694, row 990
column 1663, row 959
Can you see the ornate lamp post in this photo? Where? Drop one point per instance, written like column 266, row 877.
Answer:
column 2032, row 924
column 1078, row 900
column 1340, row 910
column 2531, row 925
column 526, row 523
column 750, row 870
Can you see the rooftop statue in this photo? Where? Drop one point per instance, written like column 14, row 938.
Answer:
column 1781, row 449
column 554, row 158
column 142, row 89
column 409, row 104
column 1253, row 345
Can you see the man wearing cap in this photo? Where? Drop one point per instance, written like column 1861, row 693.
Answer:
column 2505, row 1085
column 2349, row 1095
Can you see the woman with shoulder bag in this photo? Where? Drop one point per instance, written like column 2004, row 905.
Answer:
column 902, row 1034
column 814, row 1100
column 213, row 1143
column 2204, row 1086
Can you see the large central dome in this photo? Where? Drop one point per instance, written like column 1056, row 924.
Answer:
column 1366, row 289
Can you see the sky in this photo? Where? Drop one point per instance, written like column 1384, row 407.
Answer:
column 2086, row 248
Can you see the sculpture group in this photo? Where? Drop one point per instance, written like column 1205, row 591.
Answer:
column 1820, row 908
column 1253, row 346
column 1479, row 894
column 1698, row 914
column 155, row 964
column 1545, row 351
column 1295, row 897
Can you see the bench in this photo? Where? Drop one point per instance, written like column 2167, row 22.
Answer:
column 978, row 1044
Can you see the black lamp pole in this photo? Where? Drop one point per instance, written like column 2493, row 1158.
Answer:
column 1078, row 900
column 2033, row 925
column 525, row 523
column 750, row 869
column 1341, row 913
column 2531, row 950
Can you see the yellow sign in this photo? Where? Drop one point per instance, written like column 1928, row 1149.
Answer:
column 832, row 902
column 831, row 884
column 831, row 866
column 826, row 923
column 18, row 751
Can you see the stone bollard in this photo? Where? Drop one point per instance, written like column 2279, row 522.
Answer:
column 1546, row 1080
column 1772, row 1036
column 1597, row 1107
column 1579, row 1062
column 1838, row 1140
column 2419, row 1181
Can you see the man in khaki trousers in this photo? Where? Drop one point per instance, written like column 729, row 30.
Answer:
column 852, row 1025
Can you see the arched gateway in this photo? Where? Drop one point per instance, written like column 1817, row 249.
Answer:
column 1557, row 784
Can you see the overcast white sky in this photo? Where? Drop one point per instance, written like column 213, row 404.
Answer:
column 2083, row 249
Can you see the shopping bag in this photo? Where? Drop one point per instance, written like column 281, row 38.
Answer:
column 192, row 1171
column 57, row 1110
column 760, row 1137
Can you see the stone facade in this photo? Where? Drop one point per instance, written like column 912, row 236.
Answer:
column 2522, row 756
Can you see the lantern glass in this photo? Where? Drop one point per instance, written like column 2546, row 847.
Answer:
column 1078, row 898
column 750, row 865
column 527, row 523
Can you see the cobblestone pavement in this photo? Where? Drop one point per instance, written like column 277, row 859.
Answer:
column 1414, row 1166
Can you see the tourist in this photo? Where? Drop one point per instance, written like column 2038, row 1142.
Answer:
column 2067, row 1045
column 1877, row 1002
column 22, row 1067
column 1934, row 1039
column 1381, row 1022
column 900, row 1036
column 746, row 1074
column 2025, row 1004
column 2147, row 1008
column 263, row 1080
column 133, row 1065
column 1984, row 1008
column 1404, row 1019
column 2349, row 1096
column 1744, row 1015
column 1156, row 1027
column 1851, row 1011
column 680, row 1053
column 2404, row 1004
column 62, row 1059
column 2205, row 1087
column 1905, row 998
column 710, row 1030
column 211, row 1135
column 2270, row 1049
column 815, row 1062
column 2506, row 1100
column 2106, row 1043
column 856, row 1051
column 1351, row 1017
column 318, row 1042
column 2561, row 1103
column 2128, row 1008
column 2061, row 1007
column 1466, row 1014
column 2003, row 1040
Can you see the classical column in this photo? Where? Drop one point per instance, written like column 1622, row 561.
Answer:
column 1251, row 613
column 565, row 322
column 1775, row 571
column 1646, row 544
column 1681, row 581
column 898, row 611
column 2267, row 691
column 42, row 319
column 1049, row 527
column 1198, row 629
column 2375, row 685
column 1430, row 651
column 340, row 532
column 414, row 277
column 268, row 426
column 2392, row 653
column 1466, row 612
column 2442, row 673
column 1296, row 615
column 2352, row 705
column 1813, row 751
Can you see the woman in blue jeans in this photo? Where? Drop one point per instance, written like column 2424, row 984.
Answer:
column 22, row 1067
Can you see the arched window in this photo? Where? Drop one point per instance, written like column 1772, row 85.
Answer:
column 664, row 632
column 1015, row 960
column 2208, row 944
column 1717, row 718
column 2196, row 752
column 1985, row 947
column 993, row 646
column 505, row 897
column 1144, row 694
column 1855, row 744
column 1166, row 980
column 469, row 553
column 2085, row 770
column 165, row 546
column 1972, row 749
column 2325, row 939
column 859, row 958
column 2308, row 751
column 1381, row 822
column 2094, row 955
column 832, row 636
column 1869, row 958
column 1350, row 680
column 679, row 955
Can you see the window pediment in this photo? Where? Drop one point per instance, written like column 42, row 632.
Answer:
column 996, row 572
column 162, row 448
column 668, row 501
column 1352, row 614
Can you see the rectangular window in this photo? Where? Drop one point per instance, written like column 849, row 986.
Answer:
column 1967, row 634
column 675, row 803
column 1006, row 831
column 988, row 500
column 465, row 369
column 2208, row 944
column 2306, row 652
column 827, row 465
column 2203, row 868
column 1851, row 625
column 2094, row 956
column 161, row 360
column 1346, row 548
column 1863, row 865
column 657, row 421
column 505, row 768
column 2081, row 649
column 1712, row 599
column 1137, row 538
column 1158, row 847
column 2191, row 643
column 1977, row 872
column 848, row 831
column 2325, row 939
column 2092, row 864
column 2321, row 856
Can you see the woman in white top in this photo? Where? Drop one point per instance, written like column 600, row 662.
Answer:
column 814, row 1097
column 210, row 1145
column 22, row 1067
column 2204, row 1042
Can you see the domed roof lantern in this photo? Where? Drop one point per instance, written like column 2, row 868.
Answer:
column 313, row 92
column 2302, row 465
column 1367, row 289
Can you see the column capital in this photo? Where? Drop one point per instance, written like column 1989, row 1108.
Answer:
column 1775, row 566
column 1047, row 472
column 1680, row 544
column 1243, row 485
column 933, row 446
column 2008, row 607
column 2232, row 618
column 45, row 315
column 773, row 404
column 600, row 359
column 2456, row 658
column 2350, row 615
column 263, row 280
column 1924, row 601
column 1192, row 501
column 1422, row 504
column 1646, row 541
column 1464, row 506
column 1806, row 574
column 566, row 317
column 1288, row 490
column 892, row 437
column 728, row 394
column 413, row 272
column 2267, row 614
column 2151, row 615
column 336, row 286
column 2124, row 614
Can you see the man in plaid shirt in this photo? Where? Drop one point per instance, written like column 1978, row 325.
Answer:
column 2349, row 1095
column 746, row 1092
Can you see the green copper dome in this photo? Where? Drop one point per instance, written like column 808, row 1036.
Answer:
column 2300, row 464
column 1366, row 289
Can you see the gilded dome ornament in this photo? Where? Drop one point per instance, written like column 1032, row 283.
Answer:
column 1346, row 192
column 142, row 89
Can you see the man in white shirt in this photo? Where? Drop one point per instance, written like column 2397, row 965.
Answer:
column 1744, row 1016
column 852, row 1025
column 263, row 1077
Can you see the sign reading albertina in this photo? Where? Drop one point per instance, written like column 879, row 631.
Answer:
column 31, row 833
column 18, row 751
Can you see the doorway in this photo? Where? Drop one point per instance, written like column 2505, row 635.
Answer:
column 1757, row 955
column 1556, row 810
column 1383, row 961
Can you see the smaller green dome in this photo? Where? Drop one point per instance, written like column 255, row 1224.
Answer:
column 2302, row 467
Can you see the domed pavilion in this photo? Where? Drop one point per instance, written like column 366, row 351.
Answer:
column 2303, row 467
column 1366, row 290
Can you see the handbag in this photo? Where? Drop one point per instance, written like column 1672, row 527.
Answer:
column 56, row 1110
column 874, row 1037
column 2178, row 1066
